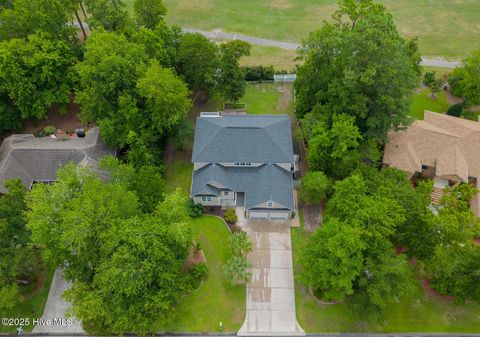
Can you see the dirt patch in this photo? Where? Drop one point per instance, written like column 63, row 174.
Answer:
column 428, row 289
column 453, row 99
column 312, row 217
column 39, row 283
column 285, row 101
column 279, row 4
column 195, row 257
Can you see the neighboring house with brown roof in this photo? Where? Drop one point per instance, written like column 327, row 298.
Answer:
column 445, row 148
column 31, row 159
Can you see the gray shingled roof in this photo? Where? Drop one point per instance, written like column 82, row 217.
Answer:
column 243, row 138
column 263, row 139
column 260, row 184
column 35, row 159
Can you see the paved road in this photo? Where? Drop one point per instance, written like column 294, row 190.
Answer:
column 217, row 34
column 270, row 293
column 55, row 310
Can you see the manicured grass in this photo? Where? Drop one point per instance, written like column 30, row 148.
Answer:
column 445, row 28
column 31, row 308
column 422, row 101
column 216, row 300
column 418, row 313
column 268, row 98
column 280, row 59
column 179, row 175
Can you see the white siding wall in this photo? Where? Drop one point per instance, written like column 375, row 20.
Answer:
column 215, row 201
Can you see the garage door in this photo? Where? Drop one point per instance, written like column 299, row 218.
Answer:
column 278, row 215
column 259, row 215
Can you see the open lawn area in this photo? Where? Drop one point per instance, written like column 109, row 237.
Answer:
column 420, row 312
column 445, row 28
column 216, row 300
column 422, row 101
column 268, row 98
column 32, row 307
column 178, row 174
column 280, row 59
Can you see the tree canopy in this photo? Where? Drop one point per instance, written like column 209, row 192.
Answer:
column 36, row 73
column 127, row 267
column 231, row 77
column 465, row 80
column 149, row 13
column 358, row 65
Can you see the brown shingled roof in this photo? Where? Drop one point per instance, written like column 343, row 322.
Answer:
column 450, row 144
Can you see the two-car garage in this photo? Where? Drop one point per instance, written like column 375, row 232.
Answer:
column 268, row 215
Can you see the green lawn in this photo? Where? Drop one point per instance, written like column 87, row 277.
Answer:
column 178, row 174
column 31, row 308
column 445, row 28
column 268, row 98
column 422, row 101
column 280, row 59
column 418, row 313
column 216, row 300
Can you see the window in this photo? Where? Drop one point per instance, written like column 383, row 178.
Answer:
column 206, row 198
column 243, row 164
column 225, row 193
column 270, row 204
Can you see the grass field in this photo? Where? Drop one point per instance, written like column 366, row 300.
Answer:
column 31, row 308
column 280, row 59
column 216, row 300
column 268, row 98
column 445, row 28
column 420, row 312
column 422, row 101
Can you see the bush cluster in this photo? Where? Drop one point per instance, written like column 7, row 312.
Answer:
column 194, row 209
column 230, row 216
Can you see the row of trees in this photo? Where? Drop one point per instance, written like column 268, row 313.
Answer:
column 132, row 76
column 355, row 87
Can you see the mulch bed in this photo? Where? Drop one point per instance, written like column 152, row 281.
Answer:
column 428, row 289
column 195, row 257
column 217, row 211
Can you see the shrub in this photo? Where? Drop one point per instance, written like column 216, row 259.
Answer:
column 470, row 115
column 230, row 216
column 429, row 78
column 237, row 270
column 49, row 130
column 194, row 209
column 240, row 244
column 315, row 187
column 455, row 110
column 258, row 73
column 197, row 274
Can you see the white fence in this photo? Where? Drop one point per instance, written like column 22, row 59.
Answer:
column 284, row 78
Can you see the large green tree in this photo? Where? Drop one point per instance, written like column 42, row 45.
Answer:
column 127, row 267
column 359, row 65
column 353, row 253
column 25, row 17
column 165, row 98
column 198, row 61
column 108, row 76
column 149, row 13
column 110, row 15
column 231, row 76
column 36, row 73
column 14, row 237
column 465, row 80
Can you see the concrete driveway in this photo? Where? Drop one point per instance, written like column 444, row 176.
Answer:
column 270, row 293
column 53, row 319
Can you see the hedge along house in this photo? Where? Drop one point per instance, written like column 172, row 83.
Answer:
column 440, row 147
column 244, row 161
column 32, row 160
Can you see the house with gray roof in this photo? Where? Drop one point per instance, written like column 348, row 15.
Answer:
column 244, row 161
column 31, row 159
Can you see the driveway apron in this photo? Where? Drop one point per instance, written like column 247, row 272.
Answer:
column 270, row 293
